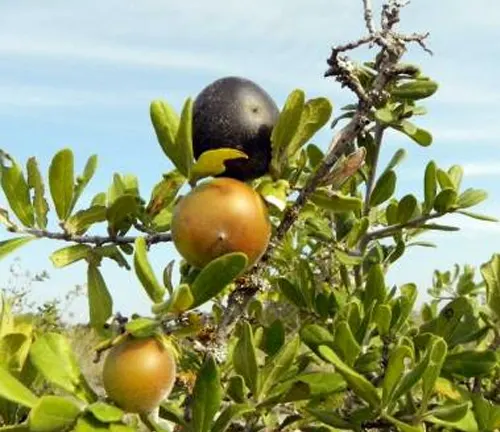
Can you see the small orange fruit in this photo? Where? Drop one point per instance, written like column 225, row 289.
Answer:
column 138, row 374
column 218, row 217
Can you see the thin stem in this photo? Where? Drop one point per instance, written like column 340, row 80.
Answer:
column 370, row 25
column 392, row 229
column 379, row 134
column 94, row 239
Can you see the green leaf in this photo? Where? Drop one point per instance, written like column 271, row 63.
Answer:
column 112, row 251
column 245, row 359
column 21, row 427
column 100, row 301
column 16, row 189
column 99, row 200
column 165, row 192
column 471, row 197
column 375, row 290
column 212, row 162
column 273, row 337
column 430, row 186
column 173, row 413
column 207, row 396
column 145, row 272
column 357, row 383
column 105, row 413
column 305, row 386
column 403, row 307
column 345, row 343
column 9, row 246
column 167, row 277
column 444, row 180
column 230, row 413
column 346, row 259
column 61, row 181
column 14, row 391
column 406, row 208
column 391, row 212
column 83, row 180
column 184, row 140
column 404, row 427
column 412, row 377
column 456, row 174
column 141, row 327
column 166, row 124
column 445, row 200
column 470, row 363
column 314, row 154
column 180, row 301
column 466, row 424
column 82, row 220
column 382, row 318
column 52, row 356
column 286, row 127
column 385, row 116
column 70, row 254
column 121, row 213
column 35, row 182
column 449, row 319
column 275, row 192
column 394, row 372
column 330, row 418
column 450, row 412
column 88, row 423
column 116, row 189
column 419, row 135
column 358, row 230
column 436, row 359
column 414, row 90
column 314, row 336
column 291, row 292
column 53, row 413
column 384, row 188
column 236, row 388
column 216, row 275
column 491, row 276
column 335, row 201
column 315, row 115
column 278, row 366
column 487, row 414
column 478, row 216
column 396, row 159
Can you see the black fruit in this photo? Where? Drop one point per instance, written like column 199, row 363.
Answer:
column 236, row 113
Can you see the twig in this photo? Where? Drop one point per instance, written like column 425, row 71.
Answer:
column 392, row 229
column 370, row 25
column 93, row 239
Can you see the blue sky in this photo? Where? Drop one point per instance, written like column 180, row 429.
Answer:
column 82, row 74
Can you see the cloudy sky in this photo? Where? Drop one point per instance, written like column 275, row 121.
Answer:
column 82, row 74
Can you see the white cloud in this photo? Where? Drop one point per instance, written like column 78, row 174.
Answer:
column 481, row 169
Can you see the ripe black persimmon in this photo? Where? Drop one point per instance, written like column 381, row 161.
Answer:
column 220, row 216
column 234, row 112
column 139, row 373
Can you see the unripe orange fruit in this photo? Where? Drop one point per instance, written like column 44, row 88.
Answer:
column 221, row 216
column 138, row 374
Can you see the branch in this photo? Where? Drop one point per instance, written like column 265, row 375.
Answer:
column 93, row 239
column 393, row 229
column 392, row 49
column 370, row 25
